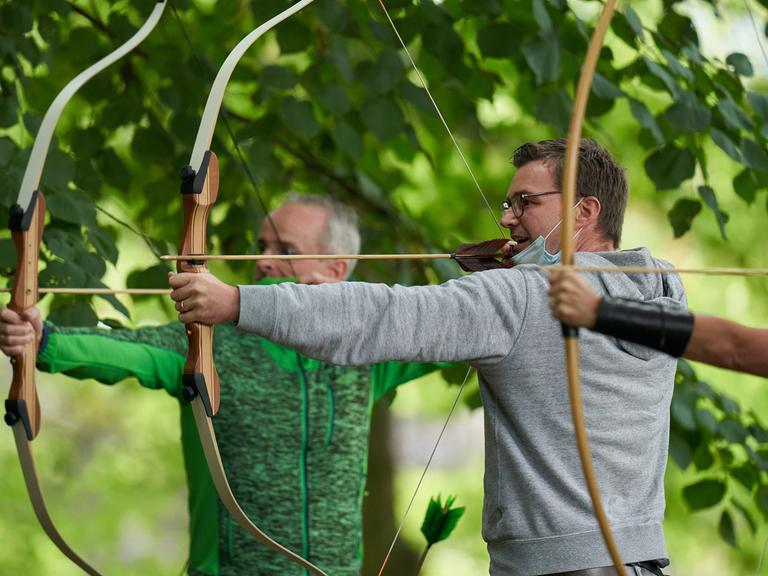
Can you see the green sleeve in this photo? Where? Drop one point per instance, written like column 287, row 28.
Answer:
column 386, row 376
column 154, row 356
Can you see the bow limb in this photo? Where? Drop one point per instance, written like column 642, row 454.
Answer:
column 200, row 184
column 27, row 222
column 571, row 334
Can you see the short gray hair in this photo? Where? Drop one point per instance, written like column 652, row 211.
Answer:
column 342, row 234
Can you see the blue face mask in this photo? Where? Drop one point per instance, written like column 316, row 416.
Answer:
column 536, row 252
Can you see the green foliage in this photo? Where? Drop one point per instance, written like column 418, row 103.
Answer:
column 328, row 103
column 440, row 519
column 725, row 444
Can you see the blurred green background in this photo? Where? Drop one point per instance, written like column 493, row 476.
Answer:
column 328, row 103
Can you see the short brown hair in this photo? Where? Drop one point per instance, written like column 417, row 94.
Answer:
column 599, row 175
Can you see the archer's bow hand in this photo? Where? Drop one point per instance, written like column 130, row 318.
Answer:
column 18, row 330
column 203, row 298
column 488, row 255
column 572, row 300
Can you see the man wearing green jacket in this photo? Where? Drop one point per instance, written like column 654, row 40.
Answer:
column 293, row 431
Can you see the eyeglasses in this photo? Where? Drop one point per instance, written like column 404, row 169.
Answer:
column 517, row 202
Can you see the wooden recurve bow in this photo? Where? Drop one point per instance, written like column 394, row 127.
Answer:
column 199, row 187
column 27, row 220
column 567, row 244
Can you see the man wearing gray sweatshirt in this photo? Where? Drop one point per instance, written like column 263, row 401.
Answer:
column 537, row 516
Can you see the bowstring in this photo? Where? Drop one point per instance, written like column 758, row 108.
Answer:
column 496, row 223
column 442, row 118
column 756, row 31
column 424, row 472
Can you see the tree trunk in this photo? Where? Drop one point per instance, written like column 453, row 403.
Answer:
column 379, row 522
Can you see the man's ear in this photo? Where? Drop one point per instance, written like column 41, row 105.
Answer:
column 338, row 269
column 588, row 212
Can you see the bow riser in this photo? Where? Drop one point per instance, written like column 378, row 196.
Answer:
column 199, row 190
column 27, row 233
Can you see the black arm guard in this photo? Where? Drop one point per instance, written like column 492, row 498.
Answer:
column 654, row 326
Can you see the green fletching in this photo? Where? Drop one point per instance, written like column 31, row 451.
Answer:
column 440, row 519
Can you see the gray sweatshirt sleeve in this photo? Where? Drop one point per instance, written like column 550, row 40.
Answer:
column 475, row 318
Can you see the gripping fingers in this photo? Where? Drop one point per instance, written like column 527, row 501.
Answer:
column 15, row 344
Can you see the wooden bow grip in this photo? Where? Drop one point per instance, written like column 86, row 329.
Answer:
column 199, row 190
column 27, row 233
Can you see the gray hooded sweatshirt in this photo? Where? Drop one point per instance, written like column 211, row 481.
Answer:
column 537, row 514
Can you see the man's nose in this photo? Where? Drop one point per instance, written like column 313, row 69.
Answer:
column 508, row 219
column 267, row 265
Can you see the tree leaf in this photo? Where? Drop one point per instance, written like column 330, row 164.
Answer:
column 704, row 494
column 151, row 277
column 726, row 529
column 499, row 40
column 747, row 515
column 74, row 314
column 732, row 430
column 680, row 450
column 440, row 519
column 703, row 458
column 381, row 76
column 681, row 28
column 339, row 56
column 278, row 78
column 604, row 88
column 759, row 103
column 755, row 155
column 727, row 404
column 745, row 185
column 670, row 166
column 7, row 253
column 542, row 54
column 87, row 142
column 746, row 474
column 59, row 170
column 554, row 108
column 740, row 64
column 634, row 21
column 293, row 36
column 761, row 497
column 541, row 16
column 682, row 214
column 705, row 420
column 71, row 206
column 333, row 98
column 662, row 74
column 298, row 115
column 708, row 195
column 645, row 119
column 347, row 139
column 687, row 114
column 676, row 66
column 726, row 144
column 383, row 118
column 682, row 409
column 734, row 116
column 104, row 243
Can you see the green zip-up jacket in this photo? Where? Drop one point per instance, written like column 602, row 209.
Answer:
column 293, row 435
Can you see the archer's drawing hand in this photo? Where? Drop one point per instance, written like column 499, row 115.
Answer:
column 204, row 298
column 572, row 300
column 18, row 330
